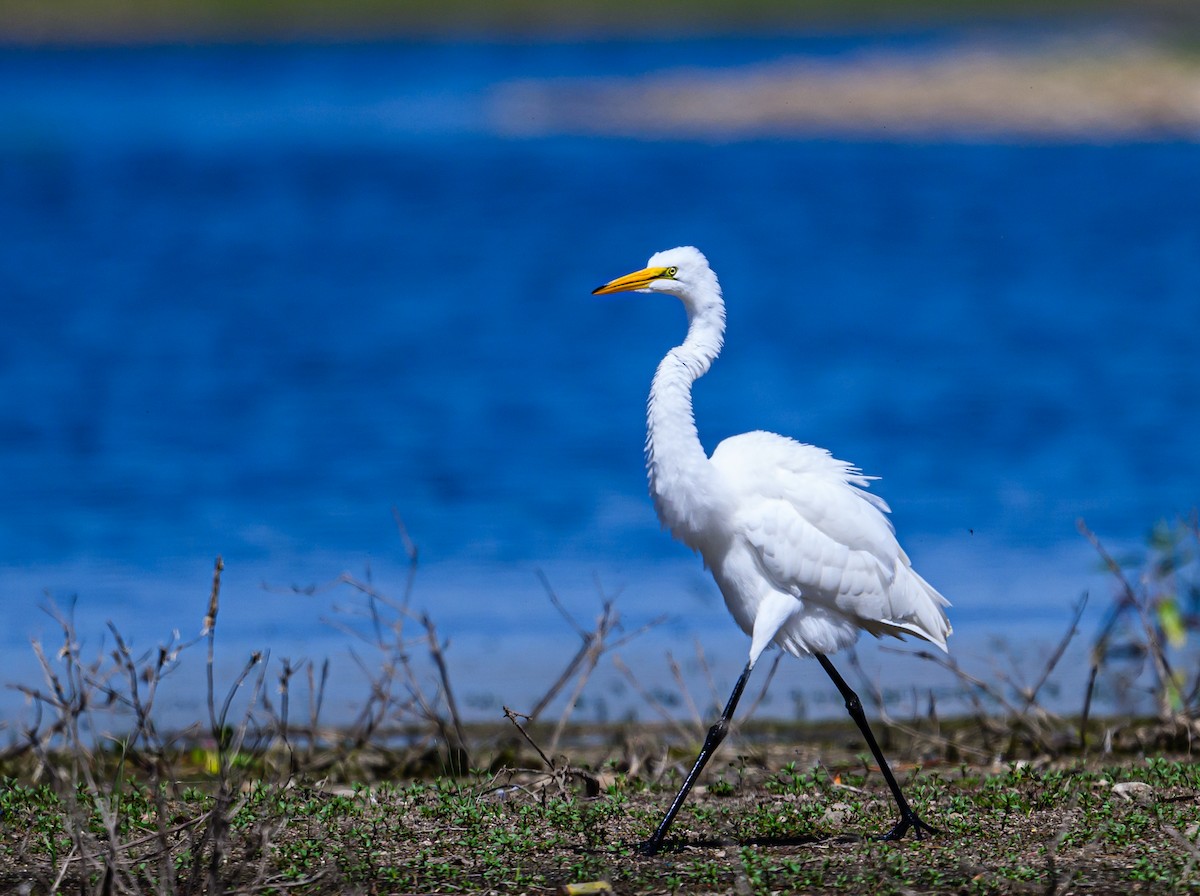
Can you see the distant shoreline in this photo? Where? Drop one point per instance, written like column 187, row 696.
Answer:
column 1140, row 80
column 122, row 22
column 1104, row 87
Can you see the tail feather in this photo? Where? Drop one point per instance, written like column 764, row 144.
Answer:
column 920, row 608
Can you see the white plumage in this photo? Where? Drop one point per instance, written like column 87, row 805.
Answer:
column 802, row 553
column 808, row 531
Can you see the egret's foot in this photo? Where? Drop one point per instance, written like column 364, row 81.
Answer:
column 909, row 819
column 649, row 847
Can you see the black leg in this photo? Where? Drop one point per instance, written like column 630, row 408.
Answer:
column 716, row 734
column 908, row 818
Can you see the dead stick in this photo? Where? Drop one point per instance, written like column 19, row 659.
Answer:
column 512, row 717
column 1161, row 665
column 677, row 674
column 606, row 623
column 654, row 702
column 1031, row 697
column 439, row 659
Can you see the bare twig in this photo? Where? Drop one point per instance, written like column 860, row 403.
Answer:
column 514, row 717
column 439, row 660
column 1129, row 599
column 558, row 605
column 1030, row 695
column 762, row 692
column 606, row 623
column 209, row 630
column 410, row 551
column 652, row 701
column 594, row 644
column 697, row 719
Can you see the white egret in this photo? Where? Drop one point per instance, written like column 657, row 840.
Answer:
column 803, row 555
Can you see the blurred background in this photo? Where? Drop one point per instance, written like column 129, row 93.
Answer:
column 273, row 275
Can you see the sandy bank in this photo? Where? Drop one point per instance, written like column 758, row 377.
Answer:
column 1102, row 90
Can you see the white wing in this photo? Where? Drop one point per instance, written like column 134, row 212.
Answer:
column 819, row 537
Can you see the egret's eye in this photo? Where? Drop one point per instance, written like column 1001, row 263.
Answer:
column 671, row 272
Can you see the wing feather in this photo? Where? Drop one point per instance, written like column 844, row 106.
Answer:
column 819, row 536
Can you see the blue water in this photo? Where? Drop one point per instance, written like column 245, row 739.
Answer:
column 254, row 298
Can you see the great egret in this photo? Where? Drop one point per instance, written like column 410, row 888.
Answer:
column 804, row 557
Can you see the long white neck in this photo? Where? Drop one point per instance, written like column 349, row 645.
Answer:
column 683, row 483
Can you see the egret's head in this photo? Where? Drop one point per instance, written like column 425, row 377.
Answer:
column 682, row 272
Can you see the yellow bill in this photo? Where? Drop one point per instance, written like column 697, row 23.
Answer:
column 637, row 280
